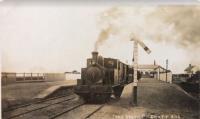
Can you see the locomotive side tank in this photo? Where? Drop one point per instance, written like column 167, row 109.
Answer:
column 103, row 77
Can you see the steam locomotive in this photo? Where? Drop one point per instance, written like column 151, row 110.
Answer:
column 103, row 77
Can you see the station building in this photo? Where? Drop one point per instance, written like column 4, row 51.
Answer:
column 156, row 72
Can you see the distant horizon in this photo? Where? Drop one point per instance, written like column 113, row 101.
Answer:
column 80, row 71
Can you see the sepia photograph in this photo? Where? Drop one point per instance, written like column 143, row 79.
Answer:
column 103, row 60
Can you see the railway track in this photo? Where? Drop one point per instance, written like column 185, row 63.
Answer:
column 93, row 112
column 54, row 108
column 33, row 102
column 26, row 109
column 84, row 111
column 65, row 111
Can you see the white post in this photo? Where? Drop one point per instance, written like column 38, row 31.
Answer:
column 135, row 66
column 135, row 62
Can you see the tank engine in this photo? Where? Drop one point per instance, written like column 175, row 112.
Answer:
column 103, row 77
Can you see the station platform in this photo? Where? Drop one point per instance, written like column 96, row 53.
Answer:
column 53, row 89
column 156, row 99
column 21, row 93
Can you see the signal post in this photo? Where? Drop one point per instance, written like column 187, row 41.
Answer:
column 135, row 69
column 136, row 42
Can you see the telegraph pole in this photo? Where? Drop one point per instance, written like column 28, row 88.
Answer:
column 166, row 68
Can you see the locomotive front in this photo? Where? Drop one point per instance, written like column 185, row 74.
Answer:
column 94, row 73
column 91, row 86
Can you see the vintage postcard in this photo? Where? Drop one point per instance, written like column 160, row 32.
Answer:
column 100, row 59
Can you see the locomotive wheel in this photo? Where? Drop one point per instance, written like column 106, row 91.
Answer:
column 118, row 91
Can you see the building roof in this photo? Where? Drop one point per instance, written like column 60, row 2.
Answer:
column 148, row 66
column 151, row 67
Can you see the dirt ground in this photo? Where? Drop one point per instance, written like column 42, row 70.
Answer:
column 20, row 93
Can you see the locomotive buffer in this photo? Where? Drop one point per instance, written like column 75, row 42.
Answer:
column 136, row 41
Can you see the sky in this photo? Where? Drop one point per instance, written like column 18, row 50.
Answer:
column 60, row 37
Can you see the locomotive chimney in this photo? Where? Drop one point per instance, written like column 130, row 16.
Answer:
column 94, row 56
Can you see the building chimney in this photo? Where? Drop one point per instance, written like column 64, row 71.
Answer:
column 94, row 56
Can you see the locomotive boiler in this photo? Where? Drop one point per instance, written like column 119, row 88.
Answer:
column 103, row 77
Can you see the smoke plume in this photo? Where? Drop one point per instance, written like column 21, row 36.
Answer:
column 104, row 34
column 107, row 24
column 185, row 21
column 178, row 24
